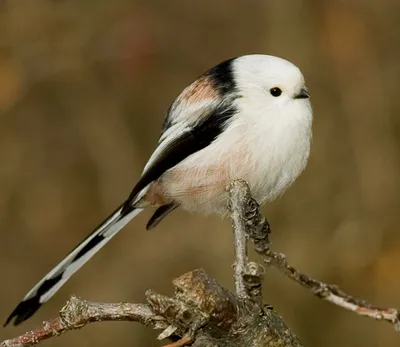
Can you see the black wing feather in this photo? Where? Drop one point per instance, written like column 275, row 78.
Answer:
column 192, row 141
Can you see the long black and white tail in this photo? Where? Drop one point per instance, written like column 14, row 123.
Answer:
column 53, row 281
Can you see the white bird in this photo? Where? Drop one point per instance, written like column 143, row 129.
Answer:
column 246, row 118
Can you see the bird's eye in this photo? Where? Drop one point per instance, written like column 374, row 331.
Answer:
column 275, row 91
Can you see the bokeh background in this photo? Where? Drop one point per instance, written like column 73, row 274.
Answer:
column 84, row 86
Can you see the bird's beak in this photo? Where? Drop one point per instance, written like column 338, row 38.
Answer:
column 303, row 94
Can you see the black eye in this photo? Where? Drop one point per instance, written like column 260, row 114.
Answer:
column 275, row 91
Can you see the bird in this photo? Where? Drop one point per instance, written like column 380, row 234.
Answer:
column 248, row 118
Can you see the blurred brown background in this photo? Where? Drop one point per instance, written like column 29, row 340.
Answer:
column 84, row 86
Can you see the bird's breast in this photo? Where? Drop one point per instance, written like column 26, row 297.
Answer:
column 268, row 159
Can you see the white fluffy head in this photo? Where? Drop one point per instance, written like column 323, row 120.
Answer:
column 257, row 74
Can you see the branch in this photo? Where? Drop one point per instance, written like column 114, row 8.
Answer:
column 248, row 276
column 77, row 313
column 333, row 293
column 236, row 208
column 328, row 292
column 202, row 313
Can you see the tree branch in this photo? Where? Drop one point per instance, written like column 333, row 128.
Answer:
column 248, row 276
column 236, row 208
column 77, row 313
column 333, row 293
column 202, row 313
column 328, row 292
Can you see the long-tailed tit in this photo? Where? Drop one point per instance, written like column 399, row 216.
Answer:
column 248, row 117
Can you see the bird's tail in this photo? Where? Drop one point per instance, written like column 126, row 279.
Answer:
column 54, row 280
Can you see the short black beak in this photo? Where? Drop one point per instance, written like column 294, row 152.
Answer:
column 303, row 94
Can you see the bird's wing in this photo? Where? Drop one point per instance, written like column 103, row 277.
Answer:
column 197, row 117
column 187, row 139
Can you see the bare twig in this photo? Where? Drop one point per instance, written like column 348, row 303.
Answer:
column 236, row 207
column 258, row 230
column 332, row 293
column 77, row 313
column 248, row 276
